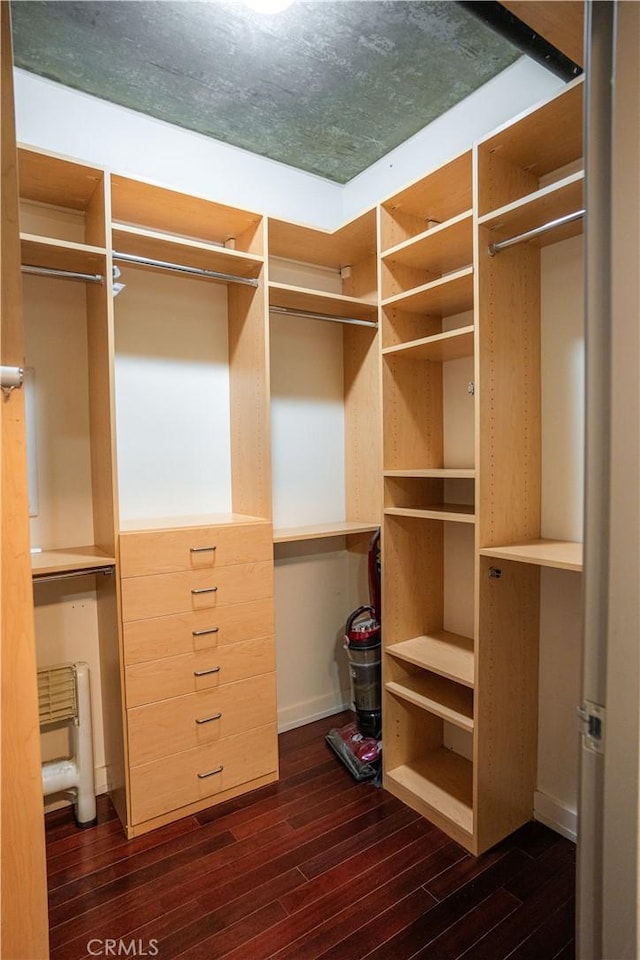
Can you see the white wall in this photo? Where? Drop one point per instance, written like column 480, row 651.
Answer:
column 65, row 121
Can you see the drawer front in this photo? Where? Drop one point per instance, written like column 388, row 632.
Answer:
column 194, row 548
column 165, row 785
column 202, row 630
column 204, row 670
column 172, row 726
column 167, row 593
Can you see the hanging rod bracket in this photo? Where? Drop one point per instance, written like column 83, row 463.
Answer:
column 11, row 378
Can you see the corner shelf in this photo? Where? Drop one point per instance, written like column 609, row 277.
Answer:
column 447, row 654
column 315, row 301
column 561, row 554
column 318, row 531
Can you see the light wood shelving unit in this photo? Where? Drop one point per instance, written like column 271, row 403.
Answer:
column 340, row 270
column 528, row 173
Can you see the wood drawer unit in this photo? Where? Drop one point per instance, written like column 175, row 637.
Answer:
column 168, row 593
column 202, row 772
column 158, row 730
column 204, row 670
column 183, row 633
column 194, row 548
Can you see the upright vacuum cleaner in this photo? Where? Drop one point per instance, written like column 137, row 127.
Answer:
column 359, row 744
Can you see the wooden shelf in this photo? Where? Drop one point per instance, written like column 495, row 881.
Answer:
column 440, row 249
column 153, row 207
column 188, row 253
column 444, row 297
column 439, row 696
column 447, row 654
column 550, row 203
column 440, row 348
column 437, row 473
column 55, row 180
column 440, row 780
column 317, row 531
column 523, row 152
column 68, row 560
column 455, row 512
column 62, row 254
column 314, row 301
column 561, row 554
column 353, row 242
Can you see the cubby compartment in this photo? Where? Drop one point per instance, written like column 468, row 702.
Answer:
column 430, row 497
column 448, row 699
column 430, row 203
column 70, row 461
column 429, row 420
column 191, row 400
column 536, row 157
column 429, row 594
column 443, row 250
column 315, row 271
column 420, row 769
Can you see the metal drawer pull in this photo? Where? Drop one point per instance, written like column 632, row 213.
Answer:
column 204, row 590
column 205, row 673
column 202, row 633
column 211, row 773
column 216, row 716
column 200, row 549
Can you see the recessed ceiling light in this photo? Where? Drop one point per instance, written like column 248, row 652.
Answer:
column 268, row 6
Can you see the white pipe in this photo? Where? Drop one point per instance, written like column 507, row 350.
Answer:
column 83, row 748
column 59, row 775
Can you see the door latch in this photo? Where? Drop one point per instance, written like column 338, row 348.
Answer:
column 592, row 725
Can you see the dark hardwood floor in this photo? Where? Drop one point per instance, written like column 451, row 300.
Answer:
column 315, row 866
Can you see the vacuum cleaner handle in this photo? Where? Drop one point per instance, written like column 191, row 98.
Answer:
column 356, row 613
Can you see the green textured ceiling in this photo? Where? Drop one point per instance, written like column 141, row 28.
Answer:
column 328, row 86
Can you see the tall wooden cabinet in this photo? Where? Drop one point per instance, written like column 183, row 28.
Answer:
column 461, row 608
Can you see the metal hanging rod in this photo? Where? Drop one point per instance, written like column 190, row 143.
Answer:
column 179, row 268
column 68, row 574
column 503, row 244
column 309, row 315
column 62, row 274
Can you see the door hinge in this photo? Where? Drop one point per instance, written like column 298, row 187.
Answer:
column 592, row 717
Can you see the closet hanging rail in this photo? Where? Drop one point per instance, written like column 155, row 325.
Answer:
column 180, row 268
column 67, row 574
column 62, row 274
column 310, row 315
column 503, row 244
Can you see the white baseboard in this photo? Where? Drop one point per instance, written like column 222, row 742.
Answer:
column 555, row 815
column 316, row 709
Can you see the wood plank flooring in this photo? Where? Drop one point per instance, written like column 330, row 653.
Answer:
column 315, row 867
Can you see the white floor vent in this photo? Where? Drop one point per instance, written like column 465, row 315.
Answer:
column 64, row 695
